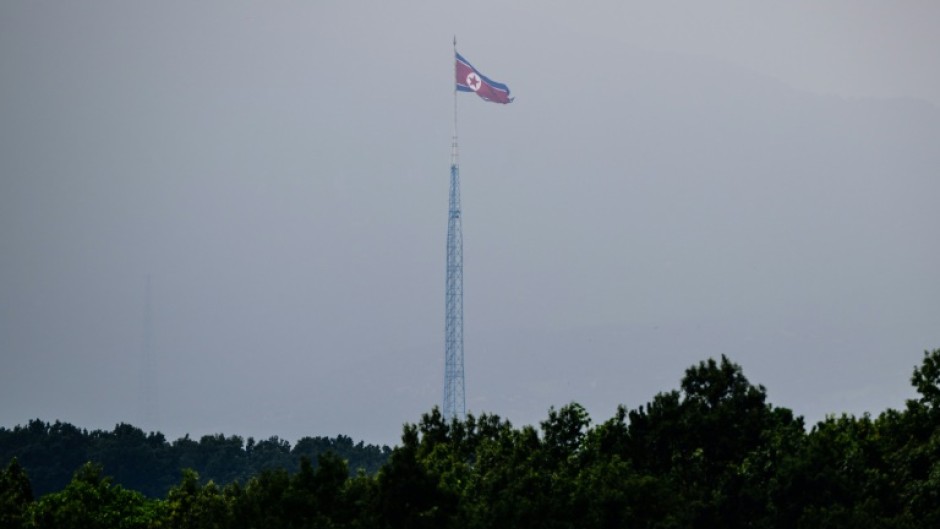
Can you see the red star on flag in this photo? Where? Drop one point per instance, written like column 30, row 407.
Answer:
column 473, row 81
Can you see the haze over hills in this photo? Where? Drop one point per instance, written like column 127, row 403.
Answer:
column 630, row 214
column 728, row 213
column 688, row 208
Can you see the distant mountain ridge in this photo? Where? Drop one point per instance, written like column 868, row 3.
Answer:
column 51, row 452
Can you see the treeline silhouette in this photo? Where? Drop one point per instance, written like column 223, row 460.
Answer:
column 148, row 463
column 713, row 453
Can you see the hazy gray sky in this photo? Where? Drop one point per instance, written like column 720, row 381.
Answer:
column 675, row 180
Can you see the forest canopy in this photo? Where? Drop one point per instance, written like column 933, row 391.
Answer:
column 148, row 463
column 712, row 453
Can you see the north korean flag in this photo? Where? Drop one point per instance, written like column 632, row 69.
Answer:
column 471, row 80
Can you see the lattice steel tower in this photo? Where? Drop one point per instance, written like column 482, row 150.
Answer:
column 454, row 399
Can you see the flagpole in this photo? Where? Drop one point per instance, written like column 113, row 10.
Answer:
column 454, row 394
column 453, row 154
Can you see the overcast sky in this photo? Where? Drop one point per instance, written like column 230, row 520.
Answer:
column 674, row 181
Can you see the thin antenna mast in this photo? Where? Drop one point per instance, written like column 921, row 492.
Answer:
column 148, row 411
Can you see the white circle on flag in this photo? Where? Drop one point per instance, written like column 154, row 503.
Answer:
column 473, row 81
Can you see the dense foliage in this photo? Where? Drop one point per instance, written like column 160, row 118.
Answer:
column 713, row 453
column 147, row 463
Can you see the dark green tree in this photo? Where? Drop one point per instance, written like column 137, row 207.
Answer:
column 914, row 450
column 190, row 505
column 329, row 482
column 267, row 499
column 610, row 492
column 90, row 501
column 509, row 487
column 408, row 494
column 926, row 379
column 16, row 495
column 845, row 477
column 706, row 439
